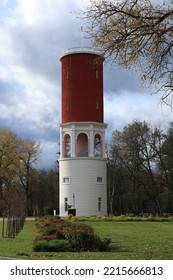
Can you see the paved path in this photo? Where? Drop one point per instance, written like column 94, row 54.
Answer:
column 6, row 258
column 27, row 219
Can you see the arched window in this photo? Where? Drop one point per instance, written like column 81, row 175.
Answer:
column 82, row 145
column 67, row 146
column 97, row 146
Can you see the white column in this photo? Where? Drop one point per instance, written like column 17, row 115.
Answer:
column 73, row 140
column 91, row 142
column 61, row 142
column 103, row 144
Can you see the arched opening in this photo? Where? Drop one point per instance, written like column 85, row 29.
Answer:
column 82, row 145
column 67, row 146
column 97, row 146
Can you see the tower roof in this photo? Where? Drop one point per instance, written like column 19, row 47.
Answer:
column 79, row 50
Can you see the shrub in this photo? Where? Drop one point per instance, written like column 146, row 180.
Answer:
column 170, row 218
column 59, row 235
column 50, row 226
column 41, row 246
column 83, row 238
column 104, row 245
column 58, row 245
column 151, row 218
column 50, row 246
column 50, row 237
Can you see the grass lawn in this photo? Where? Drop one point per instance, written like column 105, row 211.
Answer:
column 130, row 240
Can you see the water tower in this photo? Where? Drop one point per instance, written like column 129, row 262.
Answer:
column 82, row 163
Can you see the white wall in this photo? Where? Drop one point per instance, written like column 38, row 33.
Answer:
column 83, row 173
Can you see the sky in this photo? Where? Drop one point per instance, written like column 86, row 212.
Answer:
column 33, row 35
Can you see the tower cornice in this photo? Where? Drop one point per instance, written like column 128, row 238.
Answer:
column 104, row 125
column 79, row 50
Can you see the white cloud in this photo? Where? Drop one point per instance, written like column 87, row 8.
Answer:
column 49, row 154
column 4, row 73
column 121, row 110
column 32, row 36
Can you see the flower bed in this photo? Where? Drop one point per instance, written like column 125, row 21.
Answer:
column 55, row 234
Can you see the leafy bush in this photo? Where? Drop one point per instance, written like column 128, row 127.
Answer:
column 41, row 246
column 104, row 244
column 55, row 234
column 170, row 219
column 83, row 238
column 50, row 226
column 50, row 246
column 151, row 218
column 58, row 245
column 123, row 218
column 50, row 237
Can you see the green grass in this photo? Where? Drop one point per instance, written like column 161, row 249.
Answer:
column 130, row 240
column 10, row 247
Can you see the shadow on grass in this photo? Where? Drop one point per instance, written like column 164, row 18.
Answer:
column 115, row 248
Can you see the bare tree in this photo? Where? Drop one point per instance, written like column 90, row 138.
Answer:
column 135, row 34
column 137, row 148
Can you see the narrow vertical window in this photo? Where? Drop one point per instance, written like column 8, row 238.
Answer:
column 97, row 73
column 66, row 104
column 67, row 74
column 97, row 105
column 99, row 203
column 66, row 203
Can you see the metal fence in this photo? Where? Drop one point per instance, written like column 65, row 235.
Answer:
column 11, row 225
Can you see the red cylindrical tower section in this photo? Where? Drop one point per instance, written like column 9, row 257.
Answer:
column 82, row 85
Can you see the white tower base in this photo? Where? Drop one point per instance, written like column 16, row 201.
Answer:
column 83, row 186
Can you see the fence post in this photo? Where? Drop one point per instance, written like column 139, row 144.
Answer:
column 13, row 225
column 3, row 226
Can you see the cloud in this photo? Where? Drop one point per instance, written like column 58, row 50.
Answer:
column 122, row 109
column 33, row 35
